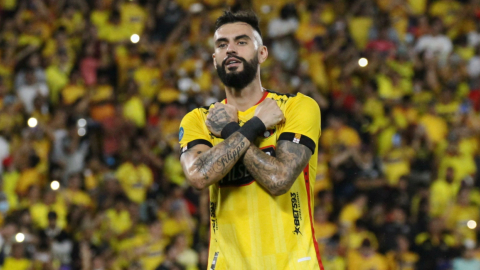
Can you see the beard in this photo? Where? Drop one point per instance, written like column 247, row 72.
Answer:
column 239, row 80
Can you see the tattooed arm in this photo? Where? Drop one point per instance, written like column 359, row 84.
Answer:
column 204, row 166
column 277, row 174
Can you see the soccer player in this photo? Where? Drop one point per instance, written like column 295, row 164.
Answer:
column 255, row 151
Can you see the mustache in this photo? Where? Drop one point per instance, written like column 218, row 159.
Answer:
column 236, row 57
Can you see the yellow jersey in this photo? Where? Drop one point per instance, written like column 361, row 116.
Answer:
column 251, row 229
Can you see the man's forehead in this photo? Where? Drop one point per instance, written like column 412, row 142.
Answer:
column 233, row 30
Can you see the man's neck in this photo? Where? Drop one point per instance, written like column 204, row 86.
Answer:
column 247, row 97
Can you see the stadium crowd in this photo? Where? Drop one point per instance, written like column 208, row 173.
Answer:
column 92, row 93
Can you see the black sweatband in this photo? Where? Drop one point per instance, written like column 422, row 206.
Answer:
column 253, row 128
column 229, row 129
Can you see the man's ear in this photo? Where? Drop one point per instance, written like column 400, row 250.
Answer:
column 214, row 62
column 262, row 54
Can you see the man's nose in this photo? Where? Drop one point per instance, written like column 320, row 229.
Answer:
column 231, row 49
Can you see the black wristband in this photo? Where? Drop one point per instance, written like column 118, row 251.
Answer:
column 229, row 129
column 253, row 128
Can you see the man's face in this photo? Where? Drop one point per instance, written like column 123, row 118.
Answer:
column 236, row 56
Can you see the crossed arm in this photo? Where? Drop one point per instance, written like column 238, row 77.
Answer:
column 277, row 174
column 205, row 166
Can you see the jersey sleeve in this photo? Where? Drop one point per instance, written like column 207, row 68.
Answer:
column 302, row 122
column 193, row 131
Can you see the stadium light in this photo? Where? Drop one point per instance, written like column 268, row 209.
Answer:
column 82, row 132
column 471, row 224
column 32, row 122
column 81, row 122
column 55, row 185
column 266, row 9
column 363, row 62
column 19, row 237
column 135, row 38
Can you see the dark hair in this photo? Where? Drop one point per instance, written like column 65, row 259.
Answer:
column 33, row 160
column 52, row 215
column 288, row 11
column 248, row 17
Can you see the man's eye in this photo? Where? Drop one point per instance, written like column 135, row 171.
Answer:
column 242, row 43
column 222, row 45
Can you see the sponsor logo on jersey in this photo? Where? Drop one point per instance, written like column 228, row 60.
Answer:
column 213, row 217
column 239, row 175
column 297, row 215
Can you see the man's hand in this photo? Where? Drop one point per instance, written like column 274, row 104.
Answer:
column 219, row 116
column 269, row 112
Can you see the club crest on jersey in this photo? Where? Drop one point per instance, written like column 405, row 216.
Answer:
column 297, row 215
column 180, row 134
column 269, row 133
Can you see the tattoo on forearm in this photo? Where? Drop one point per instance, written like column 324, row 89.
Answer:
column 219, row 161
column 277, row 174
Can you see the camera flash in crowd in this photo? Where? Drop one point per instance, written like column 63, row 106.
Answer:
column 55, row 185
column 135, row 38
column 19, row 237
column 363, row 62
column 471, row 224
column 32, row 122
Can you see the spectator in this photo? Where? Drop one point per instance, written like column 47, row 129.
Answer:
column 352, row 212
column 58, row 240
column 330, row 258
column 402, row 257
column 281, row 31
column 30, row 90
column 467, row 261
column 18, row 260
column 435, row 42
column 395, row 228
column 366, row 258
column 434, row 246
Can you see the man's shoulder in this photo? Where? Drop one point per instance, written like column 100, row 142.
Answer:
column 295, row 102
column 274, row 94
column 198, row 112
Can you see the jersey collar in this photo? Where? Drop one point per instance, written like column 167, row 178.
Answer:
column 265, row 94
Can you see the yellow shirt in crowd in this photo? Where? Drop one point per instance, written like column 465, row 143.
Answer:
column 358, row 262
column 349, row 215
column 16, row 264
column 406, row 261
column 134, row 111
column 135, row 180
column 442, row 196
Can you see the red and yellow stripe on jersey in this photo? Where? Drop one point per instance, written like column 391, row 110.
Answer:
column 251, row 229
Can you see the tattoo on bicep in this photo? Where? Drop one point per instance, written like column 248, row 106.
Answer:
column 220, row 160
column 289, row 163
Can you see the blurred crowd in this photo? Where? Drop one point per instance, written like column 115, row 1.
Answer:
column 92, row 93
